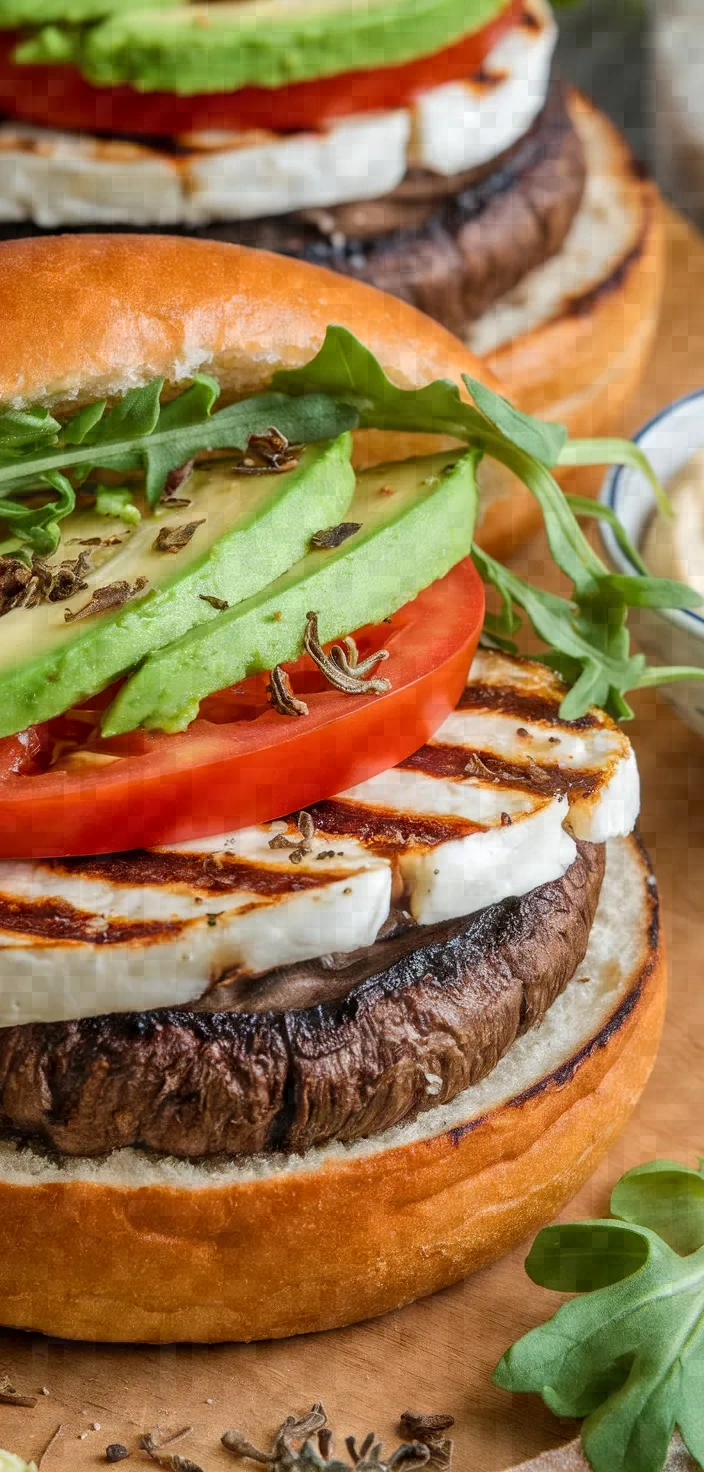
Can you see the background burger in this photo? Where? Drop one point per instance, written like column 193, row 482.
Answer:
column 329, row 967
column 425, row 150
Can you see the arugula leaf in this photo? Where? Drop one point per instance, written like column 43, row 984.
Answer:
column 629, row 1355
column 22, row 427
column 568, row 544
column 538, row 438
column 647, row 592
column 345, row 368
column 598, row 675
column 345, row 387
column 135, row 415
column 666, row 1197
column 86, row 419
column 192, row 406
column 588, row 635
column 615, row 452
column 141, row 434
column 584, row 506
column 39, row 526
column 315, row 417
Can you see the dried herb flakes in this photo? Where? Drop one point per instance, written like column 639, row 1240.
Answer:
column 220, row 603
column 26, row 586
column 342, row 667
column 156, row 1445
column 175, row 538
column 306, row 1445
column 113, row 595
column 174, row 480
column 334, row 536
column 281, row 694
column 299, row 847
column 268, row 453
column 431, row 1430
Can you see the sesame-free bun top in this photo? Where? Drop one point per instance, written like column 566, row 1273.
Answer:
column 86, row 317
column 90, row 316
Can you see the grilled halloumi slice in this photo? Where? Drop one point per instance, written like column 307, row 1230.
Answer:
column 134, row 931
column 489, row 808
column 62, row 178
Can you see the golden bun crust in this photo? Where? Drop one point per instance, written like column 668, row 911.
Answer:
column 305, row 1247
column 124, row 309
column 84, row 316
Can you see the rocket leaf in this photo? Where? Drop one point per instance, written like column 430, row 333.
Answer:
column 344, row 387
column 629, row 1353
column 143, row 434
column 668, row 1198
column 541, row 440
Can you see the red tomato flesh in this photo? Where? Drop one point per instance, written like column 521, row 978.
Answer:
column 60, row 97
column 64, row 790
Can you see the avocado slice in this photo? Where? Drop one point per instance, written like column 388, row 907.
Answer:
column 15, row 14
column 267, row 43
column 251, row 528
column 417, row 521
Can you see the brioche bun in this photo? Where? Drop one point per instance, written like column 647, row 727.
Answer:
column 572, row 341
column 136, row 1247
column 84, row 317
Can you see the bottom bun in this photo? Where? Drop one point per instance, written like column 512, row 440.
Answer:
column 134, row 1247
column 571, row 342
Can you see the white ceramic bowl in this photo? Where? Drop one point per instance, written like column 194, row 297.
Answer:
column 667, row 638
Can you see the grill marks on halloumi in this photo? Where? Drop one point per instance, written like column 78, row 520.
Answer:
column 591, row 759
column 488, row 809
column 137, row 931
column 220, row 878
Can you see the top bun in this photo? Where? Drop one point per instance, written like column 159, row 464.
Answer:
column 90, row 316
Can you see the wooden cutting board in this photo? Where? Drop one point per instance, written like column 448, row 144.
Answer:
column 436, row 1355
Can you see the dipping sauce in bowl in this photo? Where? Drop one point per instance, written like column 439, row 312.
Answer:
column 671, row 546
column 674, row 546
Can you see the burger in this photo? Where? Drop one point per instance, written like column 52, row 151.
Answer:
column 426, row 149
column 329, row 957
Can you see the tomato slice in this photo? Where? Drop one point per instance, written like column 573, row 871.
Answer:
column 60, row 97
column 64, row 790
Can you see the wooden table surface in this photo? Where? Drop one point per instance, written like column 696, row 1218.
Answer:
column 438, row 1354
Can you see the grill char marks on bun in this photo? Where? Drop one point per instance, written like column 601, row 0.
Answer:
column 198, row 1083
column 405, row 1213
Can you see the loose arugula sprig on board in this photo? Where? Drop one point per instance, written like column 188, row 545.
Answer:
column 344, row 387
column 629, row 1354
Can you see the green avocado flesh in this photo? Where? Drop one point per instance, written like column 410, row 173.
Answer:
column 417, row 521
column 16, row 13
column 220, row 47
column 254, row 528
